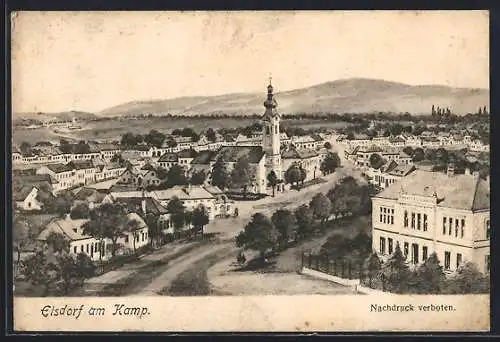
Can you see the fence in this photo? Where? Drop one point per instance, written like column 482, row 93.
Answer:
column 346, row 269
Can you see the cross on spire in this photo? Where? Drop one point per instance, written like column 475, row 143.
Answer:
column 270, row 79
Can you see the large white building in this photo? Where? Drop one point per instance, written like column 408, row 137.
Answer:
column 428, row 212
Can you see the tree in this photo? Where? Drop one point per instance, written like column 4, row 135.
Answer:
column 58, row 243
column 408, row 150
column 25, row 148
column 328, row 145
column 198, row 177
column 272, row 180
column 430, row 276
column 321, row 207
column 128, row 139
column 396, row 129
column 20, row 236
column 241, row 176
column 176, row 176
column 211, row 135
column 330, row 163
column 62, row 206
column 220, row 176
column 293, row 175
column 80, row 211
column 154, row 229
column 65, row 146
column 468, row 279
column 305, row 219
column 259, row 235
column 200, row 218
column 176, row 209
column 442, row 155
column 38, row 271
column 154, row 138
column 371, row 267
column 376, row 161
column 418, row 154
column 286, row 225
column 132, row 226
column 433, row 111
column 107, row 221
column 303, row 175
column 395, row 272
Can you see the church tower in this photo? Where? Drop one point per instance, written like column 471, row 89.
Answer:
column 271, row 133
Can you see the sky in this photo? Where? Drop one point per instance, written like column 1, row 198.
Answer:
column 91, row 61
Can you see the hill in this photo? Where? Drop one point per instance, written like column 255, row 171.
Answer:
column 62, row 116
column 355, row 95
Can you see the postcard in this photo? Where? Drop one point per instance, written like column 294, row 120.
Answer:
column 251, row 171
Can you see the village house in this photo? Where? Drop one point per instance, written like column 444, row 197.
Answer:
column 191, row 197
column 390, row 173
column 307, row 159
column 428, row 212
column 25, row 198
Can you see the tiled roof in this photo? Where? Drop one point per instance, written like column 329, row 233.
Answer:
column 187, row 153
column 34, row 179
column 152, row 205
column 387, row 168
column 72, row 229
column 204, row 157
column 59, row 167
column 234, row 153
column 183, row 193
column 459, row 191
column 298, row 154
column 370, row 149
column 20, row 193
column 81, row 164
column 402, row 170
column 168, row 157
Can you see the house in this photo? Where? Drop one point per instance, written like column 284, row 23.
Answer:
column 138, row 237
column 364, row 153
column 397, row 141
column 428, row 212
column 25, row 198
column 223, row 205
column 391, row 173
column 303, row 142
column 351, row 152
column 92, row 197
column 64, row 174
column 168, row 159
column 191, row 197
column 78, row 241
column 308, row 159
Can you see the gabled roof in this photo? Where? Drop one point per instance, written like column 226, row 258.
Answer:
column 152, row 205
column 402, row 170
column 168, row 157
column 20, row 193
column 183, row 193
column 81, row 164
column 187, row 153
column 59, row 167
column 204, row 157
column 293, row 153
column 387, row 168
column 459, row 191
column 70, row 228
column 234, row 153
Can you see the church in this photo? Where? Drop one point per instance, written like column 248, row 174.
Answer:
column 265, row 157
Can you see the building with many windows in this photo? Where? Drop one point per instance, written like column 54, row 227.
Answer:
column 428, row 212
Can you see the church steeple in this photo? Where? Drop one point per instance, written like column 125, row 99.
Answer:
column 270, row 104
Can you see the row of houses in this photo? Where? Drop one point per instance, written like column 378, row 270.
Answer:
column 48, row 153
column 426, row 139
column 360, row 155
column 216, row 203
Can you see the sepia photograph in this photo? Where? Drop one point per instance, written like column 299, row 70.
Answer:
column 190, row 163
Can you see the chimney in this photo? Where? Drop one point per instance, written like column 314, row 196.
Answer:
column 143, row 206
column 467, row 171
column 451, row 170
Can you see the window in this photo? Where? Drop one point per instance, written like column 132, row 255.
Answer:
column 413, row 220
column 425, row 222
column 487, row 229
column 462, row 228
column 392, row 216
column 444, row 225
column 414, row 253
column 424, row 253
column 450, row 225
column 74, row 249
column 419, row 221
column 87, row 249
column 382, row 245
column 406, row 219
column 126, row 238
column 81, row 248
column 389, row 240
column 459, row 259
column 447, row 258
column 406, row 249
column 95, row 248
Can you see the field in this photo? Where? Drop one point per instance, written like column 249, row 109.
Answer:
column 114, row 129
